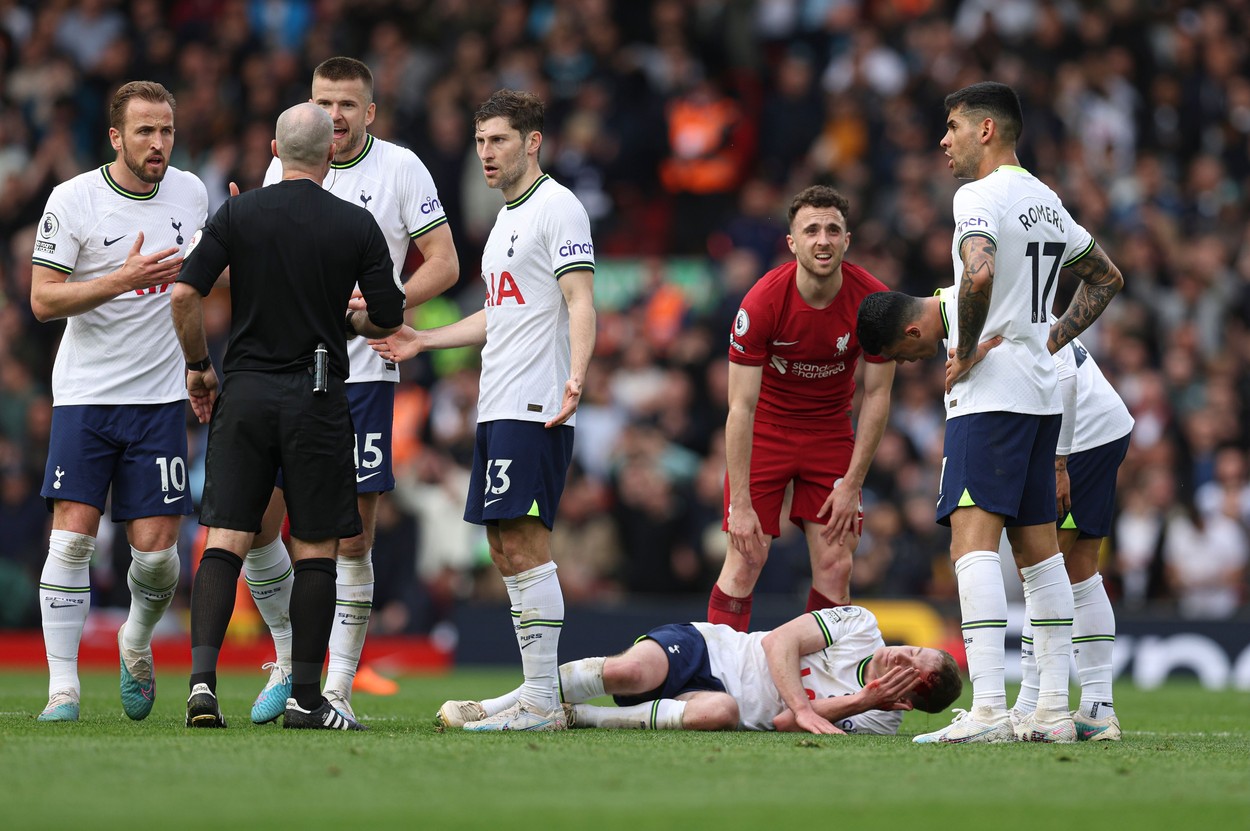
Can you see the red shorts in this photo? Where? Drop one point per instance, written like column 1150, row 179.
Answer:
column 813, row 459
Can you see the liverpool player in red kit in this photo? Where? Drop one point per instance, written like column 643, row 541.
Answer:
column 792, row 357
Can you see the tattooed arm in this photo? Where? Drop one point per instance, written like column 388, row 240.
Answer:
column 1100, row 281
column 975, row 287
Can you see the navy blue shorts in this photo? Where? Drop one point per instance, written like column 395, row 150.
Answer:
column 1003, row 463
column 519, row 468
column 1093, row 474
column 688, row 666
column 372, row 405
column 139, row 449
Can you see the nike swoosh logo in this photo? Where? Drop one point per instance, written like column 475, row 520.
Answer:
column 108, row 241
column 490, row 502
column 171, row 500
column 63, row 605
column 784, row 342
column 346, row 622
column 360, row 478
column 527, row 643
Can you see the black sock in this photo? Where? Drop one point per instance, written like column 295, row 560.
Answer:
column 212, row 604
column 312, row 618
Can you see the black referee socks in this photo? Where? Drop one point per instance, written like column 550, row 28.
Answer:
column 212, row 604
column 312, row 618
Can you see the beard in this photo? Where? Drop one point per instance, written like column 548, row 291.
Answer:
column 138, row 166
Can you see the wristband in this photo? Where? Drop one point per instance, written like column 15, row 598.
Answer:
column 199, row 366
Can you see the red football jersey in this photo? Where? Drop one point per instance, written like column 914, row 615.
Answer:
column 808, row 354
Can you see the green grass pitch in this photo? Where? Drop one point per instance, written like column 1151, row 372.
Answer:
column 1184, row 763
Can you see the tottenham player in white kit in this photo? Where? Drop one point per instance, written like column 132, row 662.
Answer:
column 538, row 332
column 1093, row 439
column 827, row 671
column 1013, row 236
column 110, row 243
column 396, row 187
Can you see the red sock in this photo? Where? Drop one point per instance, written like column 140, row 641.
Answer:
column 817, row 601
column 730, row 610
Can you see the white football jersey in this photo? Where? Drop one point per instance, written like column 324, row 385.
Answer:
column 396, row 187
column 1101, row 416
column 851, row 636
column 538, row 237
column 123, row 351
column 1035, row 237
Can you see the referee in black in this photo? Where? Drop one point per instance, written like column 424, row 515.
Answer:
column 295, row 253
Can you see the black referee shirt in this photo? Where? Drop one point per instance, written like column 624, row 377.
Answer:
column 295, row 253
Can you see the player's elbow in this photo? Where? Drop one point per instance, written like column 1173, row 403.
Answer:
column 41, row 310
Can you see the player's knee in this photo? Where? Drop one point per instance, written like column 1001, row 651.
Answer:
column 714, row 711
column 624, row 675
column 357, row 546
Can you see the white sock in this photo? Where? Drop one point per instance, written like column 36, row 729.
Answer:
column 354, row 602
column 983, row 606
column 664, row 714
column 538, row 636
column 1093, row 641
column 153, row 579
column 269, row 577
column 1048, row 597
column 495, row 706
column 514, row 600
column 1026, row 701
column 64, row 601
column 581, row 680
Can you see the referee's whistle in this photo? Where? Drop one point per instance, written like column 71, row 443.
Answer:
column 320, row 360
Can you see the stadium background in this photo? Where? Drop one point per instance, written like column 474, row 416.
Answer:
column 684, row 126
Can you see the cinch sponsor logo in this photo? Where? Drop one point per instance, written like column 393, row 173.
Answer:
column 431, row 205
column 501, row 288
column 975, row 222
column 571, row 248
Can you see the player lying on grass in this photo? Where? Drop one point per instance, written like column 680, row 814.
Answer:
column 827, row 671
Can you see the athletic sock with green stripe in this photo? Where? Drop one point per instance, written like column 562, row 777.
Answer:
column 153, row 579
column 983, row 607
column 64, row 600
column 352, row 606
column 1093, row 641
column 1048, row 598
column 664, row 714
column 538, row 635
column 269, row 575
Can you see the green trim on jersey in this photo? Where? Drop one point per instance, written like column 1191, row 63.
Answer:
column 1082, row 253
column 969, row 234
column 1012, row 167
column 861, row 670
column 824, row 628
column 520, row 200
column 940, row 294
column 578, row 266
column 51, row 265
column 129, row 194
column 359, row 156
column 425, row 229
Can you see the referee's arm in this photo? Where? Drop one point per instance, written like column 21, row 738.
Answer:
column 384, row 300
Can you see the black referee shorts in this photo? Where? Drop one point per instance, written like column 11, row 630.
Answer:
column 263, row 421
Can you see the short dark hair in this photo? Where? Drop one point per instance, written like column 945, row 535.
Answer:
column 818, row 196
column 346, row 69
column 142, row 90
column 941, row 689
column 992, row 99
column 882, row 317
column 522, row 110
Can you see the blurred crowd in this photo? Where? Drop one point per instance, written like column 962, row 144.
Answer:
column 684, row 126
